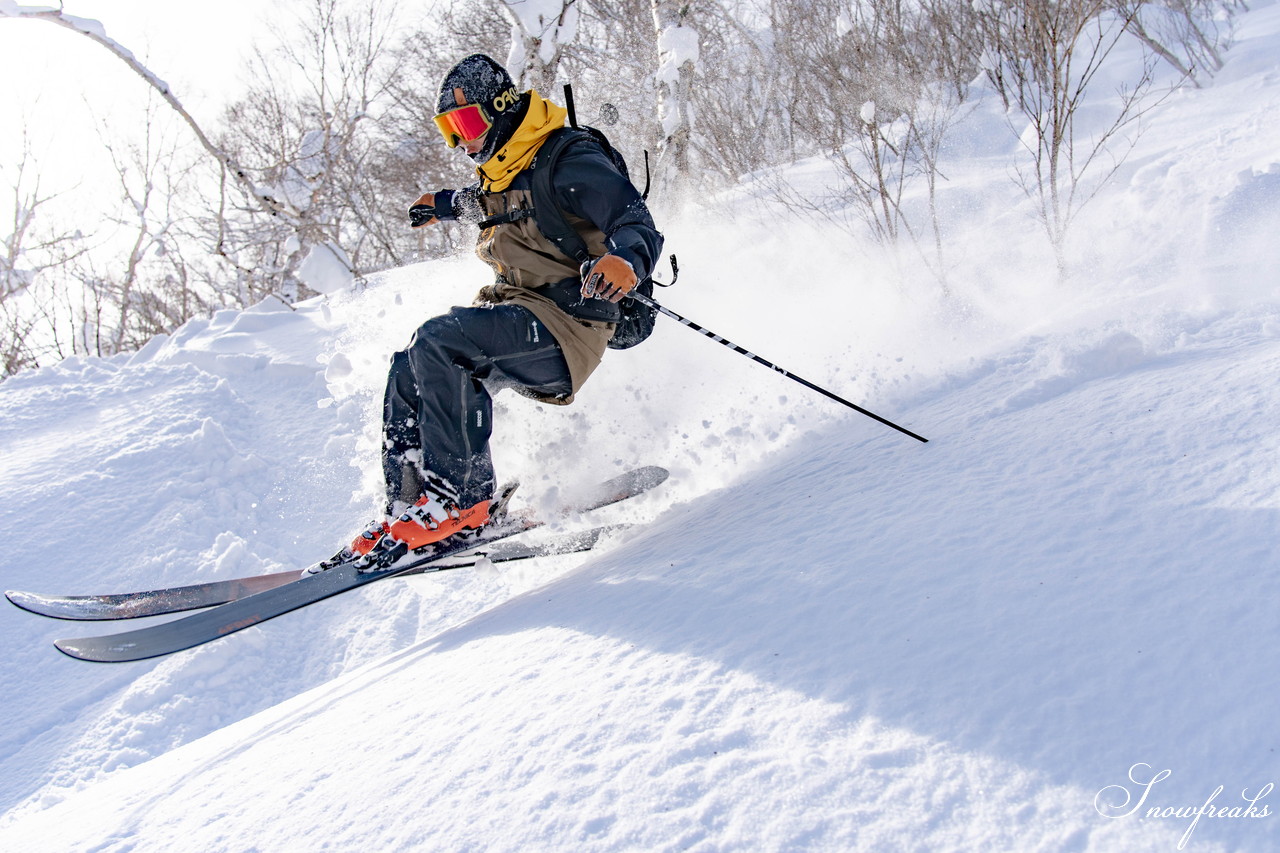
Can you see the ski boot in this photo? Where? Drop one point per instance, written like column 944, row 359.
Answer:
column 434, row 519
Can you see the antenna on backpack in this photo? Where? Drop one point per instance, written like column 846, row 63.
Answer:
column 608, row 117
column 568, row 103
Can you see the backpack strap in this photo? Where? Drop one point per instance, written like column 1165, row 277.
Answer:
column 551, row 219
column 504, row 218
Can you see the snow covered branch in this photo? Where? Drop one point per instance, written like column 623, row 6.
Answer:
column 95, row 31
column 540, row 30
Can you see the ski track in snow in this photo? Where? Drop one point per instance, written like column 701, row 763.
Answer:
column 954, row 646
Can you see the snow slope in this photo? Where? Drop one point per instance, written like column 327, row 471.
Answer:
column 986, row 642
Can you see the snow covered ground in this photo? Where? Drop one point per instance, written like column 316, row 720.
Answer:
column 828, row 637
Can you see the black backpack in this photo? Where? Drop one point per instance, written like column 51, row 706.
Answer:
column 637, row 320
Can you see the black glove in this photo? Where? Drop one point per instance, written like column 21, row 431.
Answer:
column 447, row 205
column 432, row 207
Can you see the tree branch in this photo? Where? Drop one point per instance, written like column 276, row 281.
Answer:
column 95, row 31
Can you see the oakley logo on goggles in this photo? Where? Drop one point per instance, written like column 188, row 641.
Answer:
column 463, row 124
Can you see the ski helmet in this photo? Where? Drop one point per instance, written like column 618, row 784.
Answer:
column 496, row 107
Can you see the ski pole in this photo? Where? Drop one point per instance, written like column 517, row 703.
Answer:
column 685, row 321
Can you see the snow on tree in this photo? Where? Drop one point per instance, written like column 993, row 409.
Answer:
column 540, row 30
column 677, row 61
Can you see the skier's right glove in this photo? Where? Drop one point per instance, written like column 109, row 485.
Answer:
column 446, row 205
column 431, row 208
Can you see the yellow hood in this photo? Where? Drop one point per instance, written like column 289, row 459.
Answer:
column 501, row 169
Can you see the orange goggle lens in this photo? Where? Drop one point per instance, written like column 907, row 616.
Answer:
column 463, row 124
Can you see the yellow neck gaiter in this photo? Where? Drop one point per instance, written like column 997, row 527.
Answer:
column 500, row 170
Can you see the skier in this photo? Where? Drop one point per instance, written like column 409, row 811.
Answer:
column 541, row 328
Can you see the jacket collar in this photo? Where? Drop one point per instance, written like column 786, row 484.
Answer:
column 542, row 118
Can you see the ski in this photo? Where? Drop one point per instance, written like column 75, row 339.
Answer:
column 179, row 599
column 201, row 627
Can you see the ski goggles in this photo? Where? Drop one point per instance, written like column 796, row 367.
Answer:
column 463, row 124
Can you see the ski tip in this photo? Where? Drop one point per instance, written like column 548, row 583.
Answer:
column 25, row 600
column 651, row 475
column 75, row 608
column 89, row 650
column 659, row 472
column 634, row 482
column 70, row 649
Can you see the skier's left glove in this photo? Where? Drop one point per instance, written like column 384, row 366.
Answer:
column 608, row 277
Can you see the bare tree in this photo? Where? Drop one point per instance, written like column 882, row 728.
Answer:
column 697, row 86
column 300, row 127
column 410, row 157
column 27, row 249
column 611, row 66
column 1189, row 35
column 296, row 168
column 101, row 297
column 31, row 251
column 306, row 129
column 876, row 94
column 1044, row 56
column 122, row 293
column 96, row 32
column 744, row 99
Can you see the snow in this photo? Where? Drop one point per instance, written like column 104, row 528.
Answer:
column 677, row 49
column 825, row 636
column 678, row 46
column 325, row 269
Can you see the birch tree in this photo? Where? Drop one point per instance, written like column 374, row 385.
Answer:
column 305, row 129
column 124, row 294
column 340, row 56
column 677, row 45
column 875, row 87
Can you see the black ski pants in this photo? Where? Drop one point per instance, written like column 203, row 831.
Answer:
column 438, row 408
